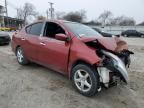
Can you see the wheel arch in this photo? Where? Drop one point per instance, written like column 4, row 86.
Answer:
column 79, row 62
column 16, row 48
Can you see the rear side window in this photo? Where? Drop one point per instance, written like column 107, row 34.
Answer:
column 131, row 31
column 35, row 29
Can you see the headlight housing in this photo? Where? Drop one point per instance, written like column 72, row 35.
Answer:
column 115, row 64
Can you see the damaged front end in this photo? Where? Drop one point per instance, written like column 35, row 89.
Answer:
column 115, row 58
column 112, row 69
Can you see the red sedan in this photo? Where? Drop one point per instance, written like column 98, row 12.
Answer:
column 90, row 60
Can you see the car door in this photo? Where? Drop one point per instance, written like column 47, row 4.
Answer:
column 134, row 33
column 131, row 33
column 32, row 42
column 138, row 34
column 54, row 53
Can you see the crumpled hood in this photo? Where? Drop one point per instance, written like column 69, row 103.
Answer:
column 110, row 43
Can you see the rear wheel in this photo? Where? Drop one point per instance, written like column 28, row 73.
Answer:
column 20, row 56
column 142, row 36
column 85, row 79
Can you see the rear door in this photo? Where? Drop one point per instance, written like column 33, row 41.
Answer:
column 134, row 33
column 31, row 42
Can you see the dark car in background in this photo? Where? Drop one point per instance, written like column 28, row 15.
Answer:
column 4, row 38
column 132, row 33
column 105, row 34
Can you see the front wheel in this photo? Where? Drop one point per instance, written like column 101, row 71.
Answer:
column 20, row 56
column 85, row 79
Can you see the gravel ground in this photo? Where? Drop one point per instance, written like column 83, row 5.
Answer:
column 34, row 86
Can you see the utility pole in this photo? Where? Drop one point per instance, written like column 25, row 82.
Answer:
column 51, row 9
column 47, row 13
column 6, row 8
column 6, row 11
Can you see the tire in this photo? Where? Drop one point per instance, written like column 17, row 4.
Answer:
column 142, row 36
column 20, row 56
column 88, row 83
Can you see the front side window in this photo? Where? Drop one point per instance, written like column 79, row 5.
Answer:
column 36, row 29
column 81, row 30
column 51, row 29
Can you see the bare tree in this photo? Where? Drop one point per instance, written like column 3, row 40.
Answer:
column 116, row 21
column 40, row 17
column 104, row 17
column 78, row 16
column 83, row 14
column 73, row 16
column 127, row 22
column 27, row 11
column 92, row 22
column 123, row 21
column 20, row 13
column 60, row 15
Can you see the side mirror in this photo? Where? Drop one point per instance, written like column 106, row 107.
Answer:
column 62, row 37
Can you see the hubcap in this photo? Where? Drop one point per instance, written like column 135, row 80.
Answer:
column 82, row 80
column 19, row 55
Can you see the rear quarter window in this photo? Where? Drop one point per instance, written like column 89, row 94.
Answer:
column 36, row 29
column 27, row 29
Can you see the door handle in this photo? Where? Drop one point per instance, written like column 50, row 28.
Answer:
column 41, row 43
column 23, row 39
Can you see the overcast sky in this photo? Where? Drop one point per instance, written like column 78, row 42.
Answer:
column 130, row 8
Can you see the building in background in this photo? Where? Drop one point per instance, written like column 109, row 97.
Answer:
column 9, row 23
column 12, row 23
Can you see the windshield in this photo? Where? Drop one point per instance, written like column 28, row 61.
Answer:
column 81, row 30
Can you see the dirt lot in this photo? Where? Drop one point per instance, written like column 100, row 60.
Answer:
column 34, row 86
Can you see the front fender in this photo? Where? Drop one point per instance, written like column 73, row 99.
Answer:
column 80, row 51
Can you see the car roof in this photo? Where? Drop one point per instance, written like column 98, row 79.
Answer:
column 61, row 21
column 56, row 21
